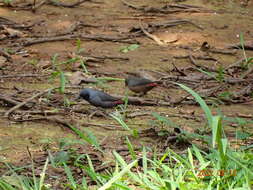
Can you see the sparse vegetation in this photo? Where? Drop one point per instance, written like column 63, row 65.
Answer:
column 183, row 121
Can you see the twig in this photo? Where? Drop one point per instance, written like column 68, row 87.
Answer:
column 185, row 116
column 243, row 92
column 153, row 37
column 236, row 64
column 11, row 101
column 195, row 57
column 23, row 75
column 68, row 123
column 173, row 8
column 174, row 23
column 100, row 37
column 36, row 112
column 248, row 45
column 178, row 70
column 32, row 41
column 5, row 54
column 222, row 51
column 60, row 4
column 105, row 126
column 26, row 101
column 131, row 5
column 102, row 57
column 36, row 6
column 249, row 71
column 30, row 154
column 143, row 102
column 250, row 116
column 179, row 78
column 33, row 6
column 97, row 37
column 210, row 91
column 151, row 27
column 192, row 61
column 237, row 80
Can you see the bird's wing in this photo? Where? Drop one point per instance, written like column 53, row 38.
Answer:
column 106, row 97
column 141, row 81
column 98, row 102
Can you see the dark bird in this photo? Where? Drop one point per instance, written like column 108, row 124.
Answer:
column 205, row 47
column 99, row 99
column 140, row 85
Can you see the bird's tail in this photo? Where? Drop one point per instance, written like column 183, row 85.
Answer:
column 118, row 102
column 153, row 84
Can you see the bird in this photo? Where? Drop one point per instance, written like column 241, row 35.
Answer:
column 139, row 84
column 98, row 98
column 205, row 47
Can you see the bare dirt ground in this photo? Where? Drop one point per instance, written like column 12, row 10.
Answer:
column 169, row 40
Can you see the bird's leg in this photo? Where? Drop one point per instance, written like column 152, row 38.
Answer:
column 103, row 113
column 142, row 94
column 92, row 114
column 100, row 112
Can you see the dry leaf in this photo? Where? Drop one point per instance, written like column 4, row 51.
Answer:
column 44, row 64
column 79, row 77
column 13, row 32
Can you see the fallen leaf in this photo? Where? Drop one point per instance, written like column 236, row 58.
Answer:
column 78, row 77
column 169, row 38
column 44, row 64
column 13, row 32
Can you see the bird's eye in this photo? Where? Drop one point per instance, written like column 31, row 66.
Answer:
column 86, row 96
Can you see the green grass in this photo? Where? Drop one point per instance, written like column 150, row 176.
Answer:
column 16, row 181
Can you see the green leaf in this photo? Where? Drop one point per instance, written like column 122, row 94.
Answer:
column 133, row 47
column 62, row 82
column 129, row 48
column 124, row 50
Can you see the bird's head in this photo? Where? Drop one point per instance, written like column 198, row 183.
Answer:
column 85, row 94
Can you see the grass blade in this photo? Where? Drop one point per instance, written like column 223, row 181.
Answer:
column 201, row 102
column 242, row 44
column 91, row 139
column 42, row 177
column 118, row 118
column 118, row 176
column 131, row 149
column 62, row 82
column 70, row 176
